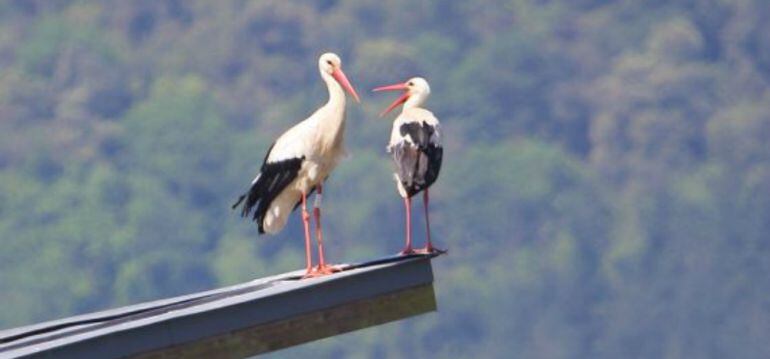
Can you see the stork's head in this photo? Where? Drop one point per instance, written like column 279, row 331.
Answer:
column 330, row 64
column 416, row 91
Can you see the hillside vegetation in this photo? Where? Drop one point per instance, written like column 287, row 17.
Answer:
column 604, row 192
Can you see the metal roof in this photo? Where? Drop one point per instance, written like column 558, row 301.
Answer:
column 254, row 317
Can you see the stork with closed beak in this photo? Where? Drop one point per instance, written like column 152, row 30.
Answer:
column 299, row 162
column 415, row 143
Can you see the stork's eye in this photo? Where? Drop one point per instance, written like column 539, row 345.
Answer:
column 329, row 62
column 410, row 83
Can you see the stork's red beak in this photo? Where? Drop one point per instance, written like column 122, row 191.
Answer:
column 400, row 100
column 343, row 81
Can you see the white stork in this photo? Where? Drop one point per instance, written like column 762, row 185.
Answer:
column 415, row 143
column 298, row 162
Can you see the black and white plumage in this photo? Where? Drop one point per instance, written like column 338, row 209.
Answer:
column 272, row 179
column 292, row 167
column 415, row 144
column 298, row 163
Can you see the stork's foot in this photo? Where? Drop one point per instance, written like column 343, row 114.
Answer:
column 430, row 250
column 327, row 269
column 407, row 251
column 319, row 271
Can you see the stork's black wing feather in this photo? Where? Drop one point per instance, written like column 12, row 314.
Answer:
column 434, row 155
column 418, row 162
column 273, row 178
column 419, row 132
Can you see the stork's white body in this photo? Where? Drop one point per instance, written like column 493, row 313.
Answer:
column 320, row 141
column 301, row 158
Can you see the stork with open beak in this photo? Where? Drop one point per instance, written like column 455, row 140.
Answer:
column 415, row 143
column 299, row 162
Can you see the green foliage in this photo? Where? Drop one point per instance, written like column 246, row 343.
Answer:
column 55, row 37
column 604, row 190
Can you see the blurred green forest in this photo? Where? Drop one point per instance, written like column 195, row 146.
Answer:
column 605, row 191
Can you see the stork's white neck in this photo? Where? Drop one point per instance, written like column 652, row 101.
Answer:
column 336, row 93
column 331, row 130
column 415, row 100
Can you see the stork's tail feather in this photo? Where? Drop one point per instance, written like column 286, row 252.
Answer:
column 273, row 178
column 240, row 199
column 251, row 199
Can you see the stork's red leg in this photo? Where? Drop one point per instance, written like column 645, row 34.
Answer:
column 408, row 248
column 306, row 223
column 322, row 267
column 429, row 247
column 425, row 203
column 318, row 229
